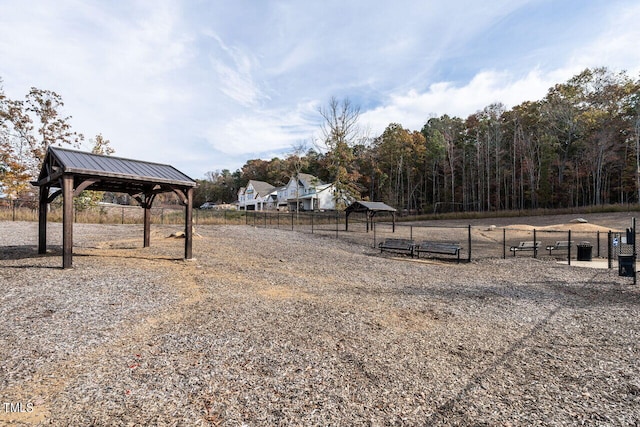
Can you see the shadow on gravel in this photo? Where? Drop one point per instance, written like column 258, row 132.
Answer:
column 20, row 252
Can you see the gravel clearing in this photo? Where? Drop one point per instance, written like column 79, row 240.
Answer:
column 273, row 327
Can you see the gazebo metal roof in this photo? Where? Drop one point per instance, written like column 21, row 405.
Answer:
column 115, row 173
column 360, row 206
column 370, row 209
column 73, row 171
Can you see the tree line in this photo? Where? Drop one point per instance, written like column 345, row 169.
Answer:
column 578, row 146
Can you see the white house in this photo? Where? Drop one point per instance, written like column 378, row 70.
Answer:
column 255, row 196
column 304, row 192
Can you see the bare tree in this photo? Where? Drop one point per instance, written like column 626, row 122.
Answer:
column 297, row 164
column 340, row 133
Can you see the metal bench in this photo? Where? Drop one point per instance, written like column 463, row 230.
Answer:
column 397, row 245
column 561, row 245
column 442, row 248
column 526, row 246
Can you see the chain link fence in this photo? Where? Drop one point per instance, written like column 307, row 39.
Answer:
column 477, row 242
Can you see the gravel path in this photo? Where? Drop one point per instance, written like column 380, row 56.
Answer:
column 273, row 327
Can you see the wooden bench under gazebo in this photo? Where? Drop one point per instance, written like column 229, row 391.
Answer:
column 69, row 172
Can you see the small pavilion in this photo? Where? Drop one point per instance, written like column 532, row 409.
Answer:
column 69, row 172
column 370, row 209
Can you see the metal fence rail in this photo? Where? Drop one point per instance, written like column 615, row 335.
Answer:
column 476, row 242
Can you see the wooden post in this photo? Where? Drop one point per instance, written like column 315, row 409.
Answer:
column 147, row 220
column 569, row 249
column 469, row 243
column 504, row 243
column 633, row 230
column 188, row 231
column 67, row 221
column 42, row 220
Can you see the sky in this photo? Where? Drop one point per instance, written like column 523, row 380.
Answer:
column 206, row 85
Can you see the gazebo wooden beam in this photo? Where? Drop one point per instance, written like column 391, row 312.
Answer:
column 42, row 219
column 83, row 186
column 67, row 221
column 188, row 224
column 148, row 201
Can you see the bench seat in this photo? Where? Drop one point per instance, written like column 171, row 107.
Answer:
column 442, row 248
column 561, row 245
column 405, row 246
column 525, row 246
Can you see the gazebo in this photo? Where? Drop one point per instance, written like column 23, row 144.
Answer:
column 370, row 209
column 70, row 172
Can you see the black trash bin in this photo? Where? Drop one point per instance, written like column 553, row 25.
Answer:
column 584, row 251
column 626, row 266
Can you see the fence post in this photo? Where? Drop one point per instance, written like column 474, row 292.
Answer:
column 469, row 242
column 373, row 227
column 122, row 218
column 291, row 220
column 312, row 215
column 336, row 224
column 609, row 249
column 598, row 239
column 13, row 207
column 411, row 232
column 635, row 274
column 535, row 247
column 569, row 250
column 504, row 243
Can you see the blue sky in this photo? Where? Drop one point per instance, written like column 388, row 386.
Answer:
column 207, row 85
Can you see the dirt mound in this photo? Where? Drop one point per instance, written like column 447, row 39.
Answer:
column 583, row 227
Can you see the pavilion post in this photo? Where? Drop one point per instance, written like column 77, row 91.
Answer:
column 67, row 221
column 42, row 220
column 188, row 224
column 147, row 220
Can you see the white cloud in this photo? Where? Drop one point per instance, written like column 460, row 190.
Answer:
column 264, row 131
column 203, row 85
column 413, row 109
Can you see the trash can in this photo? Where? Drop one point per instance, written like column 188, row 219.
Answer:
column 584, row 251
column 626, row 266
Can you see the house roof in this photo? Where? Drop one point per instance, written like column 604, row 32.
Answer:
column 261, row 187
column 115, row 169
column 308, row 179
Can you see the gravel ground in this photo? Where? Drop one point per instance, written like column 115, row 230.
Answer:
column 273, row 327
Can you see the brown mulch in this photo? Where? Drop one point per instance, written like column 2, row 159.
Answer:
column 273, row 327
